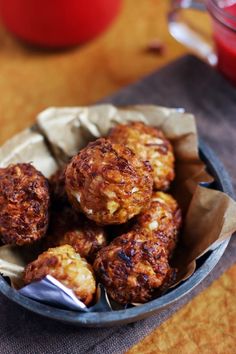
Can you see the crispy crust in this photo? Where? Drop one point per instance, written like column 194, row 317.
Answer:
column 24, row 204
column 163, row 219
column 64, row 264
column 149, row 144
column 108, row 183
column 133, row 267
column 67, row 227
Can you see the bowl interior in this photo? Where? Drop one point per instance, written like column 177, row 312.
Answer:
column 103, row 319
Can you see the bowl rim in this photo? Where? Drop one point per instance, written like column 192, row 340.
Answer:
column 105, row 319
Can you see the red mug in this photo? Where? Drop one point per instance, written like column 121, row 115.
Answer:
column 223, row 15
column 57, row 23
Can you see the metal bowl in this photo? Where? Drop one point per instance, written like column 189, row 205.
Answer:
column 105, row 319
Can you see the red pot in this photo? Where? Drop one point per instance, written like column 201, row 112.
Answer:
column 57, row 23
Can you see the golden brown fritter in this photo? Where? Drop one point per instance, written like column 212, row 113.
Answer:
column 149, row 144
column 24, row 204
column 65, row 265
column 163, row 219
column 133, row 267
column 67, row 227
column 108, row 182
column 57, row 188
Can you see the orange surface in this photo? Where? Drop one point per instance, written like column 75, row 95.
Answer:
column 31, row 80
column 207, row 325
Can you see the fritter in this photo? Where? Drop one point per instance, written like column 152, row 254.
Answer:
column 24, row 204
column 134, row 267
column 163, row 219
column 67, row 227
column 57, row 188
column 108, row 182
column 65, row 265
column 149, row 144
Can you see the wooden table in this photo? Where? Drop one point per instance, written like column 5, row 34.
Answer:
column 31, row 80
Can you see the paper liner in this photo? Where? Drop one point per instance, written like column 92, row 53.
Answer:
column 209, row 215
column 13, row 260
column 69, row 129
column 49, row 290
column 28, row 146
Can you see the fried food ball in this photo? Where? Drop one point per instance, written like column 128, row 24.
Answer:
column 149, row 144
column 24, row 204
column 108, row 182
column 67, row 227
column 163, row 219
column 133, row 267
column 57, row 188
column 65, row 265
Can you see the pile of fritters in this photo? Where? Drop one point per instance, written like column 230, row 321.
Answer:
column 116, row 183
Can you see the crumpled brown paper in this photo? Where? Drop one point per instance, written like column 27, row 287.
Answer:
column 209, row 215
column 28, row 146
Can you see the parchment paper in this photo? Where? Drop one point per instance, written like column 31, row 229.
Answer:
column 28, row 146
column 209, row 215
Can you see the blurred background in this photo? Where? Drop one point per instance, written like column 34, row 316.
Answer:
column 134, row 43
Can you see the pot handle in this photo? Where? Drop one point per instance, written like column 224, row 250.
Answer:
column 186, row 34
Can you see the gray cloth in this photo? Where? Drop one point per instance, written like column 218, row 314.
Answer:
column 186, row 83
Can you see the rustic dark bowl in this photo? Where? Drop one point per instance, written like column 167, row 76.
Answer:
column 105, row 319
